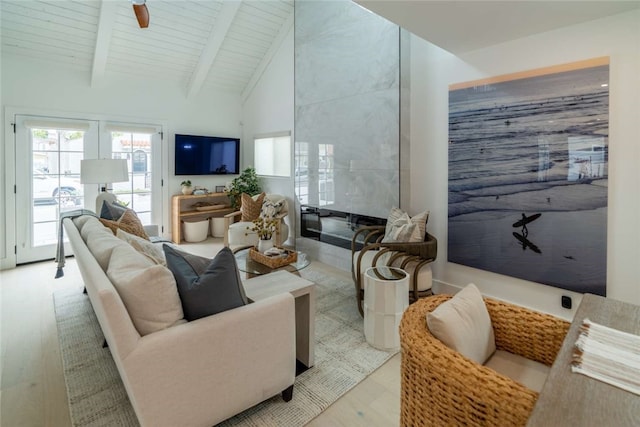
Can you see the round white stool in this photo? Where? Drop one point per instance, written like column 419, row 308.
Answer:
column 386, row 296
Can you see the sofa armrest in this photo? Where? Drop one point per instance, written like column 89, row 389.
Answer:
column 151, row 230
column 214, row 367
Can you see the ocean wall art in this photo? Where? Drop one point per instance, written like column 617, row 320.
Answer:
column 528, row 167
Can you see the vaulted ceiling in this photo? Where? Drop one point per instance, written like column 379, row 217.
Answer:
column 196, row 43
column 227, row 44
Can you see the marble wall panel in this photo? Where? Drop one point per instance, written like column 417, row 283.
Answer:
column 347, row 94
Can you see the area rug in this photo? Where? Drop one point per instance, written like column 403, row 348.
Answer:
column 342, row 356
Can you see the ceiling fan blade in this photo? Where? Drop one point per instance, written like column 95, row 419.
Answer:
column 142, row 15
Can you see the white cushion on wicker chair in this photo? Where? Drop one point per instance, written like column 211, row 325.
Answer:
column 425, row 276
column 464, row 325
column 529, row 373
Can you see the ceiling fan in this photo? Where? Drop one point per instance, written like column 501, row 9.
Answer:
column 141, row 11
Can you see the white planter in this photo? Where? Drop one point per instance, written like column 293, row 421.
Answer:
column 264, row 245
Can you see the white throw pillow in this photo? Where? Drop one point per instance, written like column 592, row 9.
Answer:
column 148, row 290
column 151, row 250
column 464, row 325
column 402, row 230
column 397, row 217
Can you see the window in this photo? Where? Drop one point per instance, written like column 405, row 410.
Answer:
column 272, row 154
column 135, row 144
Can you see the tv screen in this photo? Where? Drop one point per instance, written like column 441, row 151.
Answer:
column 207, row 155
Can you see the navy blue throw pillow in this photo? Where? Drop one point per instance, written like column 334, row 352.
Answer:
column 214, row 290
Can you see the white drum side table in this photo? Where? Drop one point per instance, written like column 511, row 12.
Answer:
column 386, row 296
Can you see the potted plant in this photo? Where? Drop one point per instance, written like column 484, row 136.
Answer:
column 186, row 187
column 264, row 227
column 246, row 183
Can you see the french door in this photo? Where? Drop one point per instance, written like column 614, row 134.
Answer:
column 48, row 154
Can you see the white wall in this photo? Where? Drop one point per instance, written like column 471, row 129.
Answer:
column 269, row 108
column 29, row 86
column 617, row 37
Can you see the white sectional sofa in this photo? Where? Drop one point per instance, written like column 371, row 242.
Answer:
column 195, row 373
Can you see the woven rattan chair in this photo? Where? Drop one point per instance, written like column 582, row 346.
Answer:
column 403, row 255
column 440, row 387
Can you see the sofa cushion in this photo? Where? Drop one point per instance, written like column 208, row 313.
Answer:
column 464, row 325
column 250, row 208
column 128, row 222
column 100, row 241
column 148, row 290
column 217, row 289
column 81, row 220
column 150, row 250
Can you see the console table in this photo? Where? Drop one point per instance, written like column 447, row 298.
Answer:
column 182, row 207
column 572, row 399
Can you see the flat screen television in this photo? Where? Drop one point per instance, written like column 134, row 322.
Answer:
column 207, row 155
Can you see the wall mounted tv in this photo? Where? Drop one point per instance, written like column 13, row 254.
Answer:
column 207, row 155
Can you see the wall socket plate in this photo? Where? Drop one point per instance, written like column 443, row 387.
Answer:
column 566, row 301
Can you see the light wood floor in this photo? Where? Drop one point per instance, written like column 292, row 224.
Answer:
column 33, row 393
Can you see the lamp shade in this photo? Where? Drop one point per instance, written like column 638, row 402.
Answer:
column 102, row 171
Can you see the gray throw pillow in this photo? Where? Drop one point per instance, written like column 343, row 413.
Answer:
column 112, row 211
column 217, row 289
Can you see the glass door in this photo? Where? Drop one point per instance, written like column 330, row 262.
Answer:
column 48, row 155
column 141, row 146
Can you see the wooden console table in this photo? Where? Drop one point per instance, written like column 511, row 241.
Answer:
column 572, row 399
column 182, row 207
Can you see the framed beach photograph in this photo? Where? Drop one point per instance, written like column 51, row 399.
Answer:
column 528, row 169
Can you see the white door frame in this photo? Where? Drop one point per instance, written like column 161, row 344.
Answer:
column 8, row 199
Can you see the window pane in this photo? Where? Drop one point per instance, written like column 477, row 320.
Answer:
column 272, row 156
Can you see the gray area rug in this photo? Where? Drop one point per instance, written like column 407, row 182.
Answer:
column 343, row 359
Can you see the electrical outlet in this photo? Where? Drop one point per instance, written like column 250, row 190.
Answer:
column 566, row 301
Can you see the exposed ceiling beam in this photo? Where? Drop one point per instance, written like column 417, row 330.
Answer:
column 211, row 48
column 277, row 42
column 108, row 12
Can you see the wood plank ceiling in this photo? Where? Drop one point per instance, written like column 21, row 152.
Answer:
column 223, row 44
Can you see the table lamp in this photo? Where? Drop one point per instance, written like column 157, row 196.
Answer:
column 103, row 172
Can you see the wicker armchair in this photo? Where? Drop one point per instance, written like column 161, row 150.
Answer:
column 441, row 387
column 403, row 255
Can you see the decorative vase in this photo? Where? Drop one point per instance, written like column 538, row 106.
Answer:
column 187, row 190
column 264, row 245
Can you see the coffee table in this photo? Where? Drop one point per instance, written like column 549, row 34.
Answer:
column 254, row 268
column 304, row 293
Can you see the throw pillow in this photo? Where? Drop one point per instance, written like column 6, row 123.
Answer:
column 251, row 208
column 145, row 247
column 129, row 222
column 217, row 289
column 271, row 208
column 112, row 211
column 420, row 220
column 402, row 229
column 464, row 325
column 148, row 290
column 198, row 263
